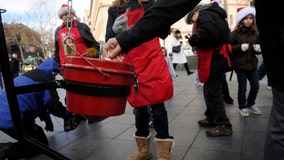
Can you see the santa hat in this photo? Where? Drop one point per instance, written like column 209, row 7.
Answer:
column 64, row 10
column 219, row 3
column 242, row 12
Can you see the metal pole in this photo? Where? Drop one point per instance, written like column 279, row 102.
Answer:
column 13, row 101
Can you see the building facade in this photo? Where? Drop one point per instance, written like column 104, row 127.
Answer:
column 98, row 15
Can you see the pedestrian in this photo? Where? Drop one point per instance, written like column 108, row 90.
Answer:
column 32, row 105
column 179, row 55
column 169, row 62
column 14, row 65
column 262, row 73
column 271, row 41
column 193, row 49
column 245, row 44
column 211, row 34
column 155, row 82
column 74, row 33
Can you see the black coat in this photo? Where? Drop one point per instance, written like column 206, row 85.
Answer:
column 246, row 60
column 271, row 31
column 213, row 30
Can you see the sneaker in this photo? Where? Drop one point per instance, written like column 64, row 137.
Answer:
column 205, row 123
column 5, row 150
column 255, row 110
column 244, row 112
column 72, row 122
column 220, row 130
column 198, row 84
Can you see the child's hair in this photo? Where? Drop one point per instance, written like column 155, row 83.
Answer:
column 241, row 25
column 176, row 32
column 166, row 52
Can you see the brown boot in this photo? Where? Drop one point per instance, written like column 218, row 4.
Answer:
column 143, row 151
column 164, row 148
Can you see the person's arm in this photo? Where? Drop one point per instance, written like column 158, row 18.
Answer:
column 207, row 32
column 87, row 36
column 111, row 18
column 56, row 47
column 163, row 14
column 236, row 46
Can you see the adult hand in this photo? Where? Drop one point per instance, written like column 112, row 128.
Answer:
column 120, row 24
column 112, row 50
column 244, row 47
column 256, row 47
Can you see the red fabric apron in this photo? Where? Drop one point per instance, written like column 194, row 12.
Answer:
column 81, row 46
column 155, row 83
column 204, row 57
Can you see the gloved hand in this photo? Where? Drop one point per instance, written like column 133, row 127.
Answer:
column 120, row 24
column 244, row 47
column 256, row 47
column 48, row 125
column 91, row 52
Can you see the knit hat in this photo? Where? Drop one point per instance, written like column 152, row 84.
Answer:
column 242, row 12
column 188, row 17
column 64, row 10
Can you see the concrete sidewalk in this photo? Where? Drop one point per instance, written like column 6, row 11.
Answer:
column 112, row 138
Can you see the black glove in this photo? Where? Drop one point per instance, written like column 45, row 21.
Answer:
column 48, row 125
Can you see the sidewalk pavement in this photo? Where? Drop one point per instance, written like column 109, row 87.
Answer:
column 112, row 138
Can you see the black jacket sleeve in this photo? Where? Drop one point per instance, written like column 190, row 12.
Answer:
column 152, row 24
column 56, row 47
column 87, row 36
column 110, row 22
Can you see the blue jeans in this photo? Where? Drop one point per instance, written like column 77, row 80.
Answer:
column 160, row 119
column 252, row 77
column 273, row 148
column 262, row 72
column 150, row 114
column 196, row 78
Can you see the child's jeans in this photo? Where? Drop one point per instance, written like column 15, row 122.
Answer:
column 160, row 119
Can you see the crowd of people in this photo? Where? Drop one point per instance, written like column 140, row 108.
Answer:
column 249, row 38
column 246, row 19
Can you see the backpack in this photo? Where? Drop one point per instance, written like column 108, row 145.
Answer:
column 223, row 60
